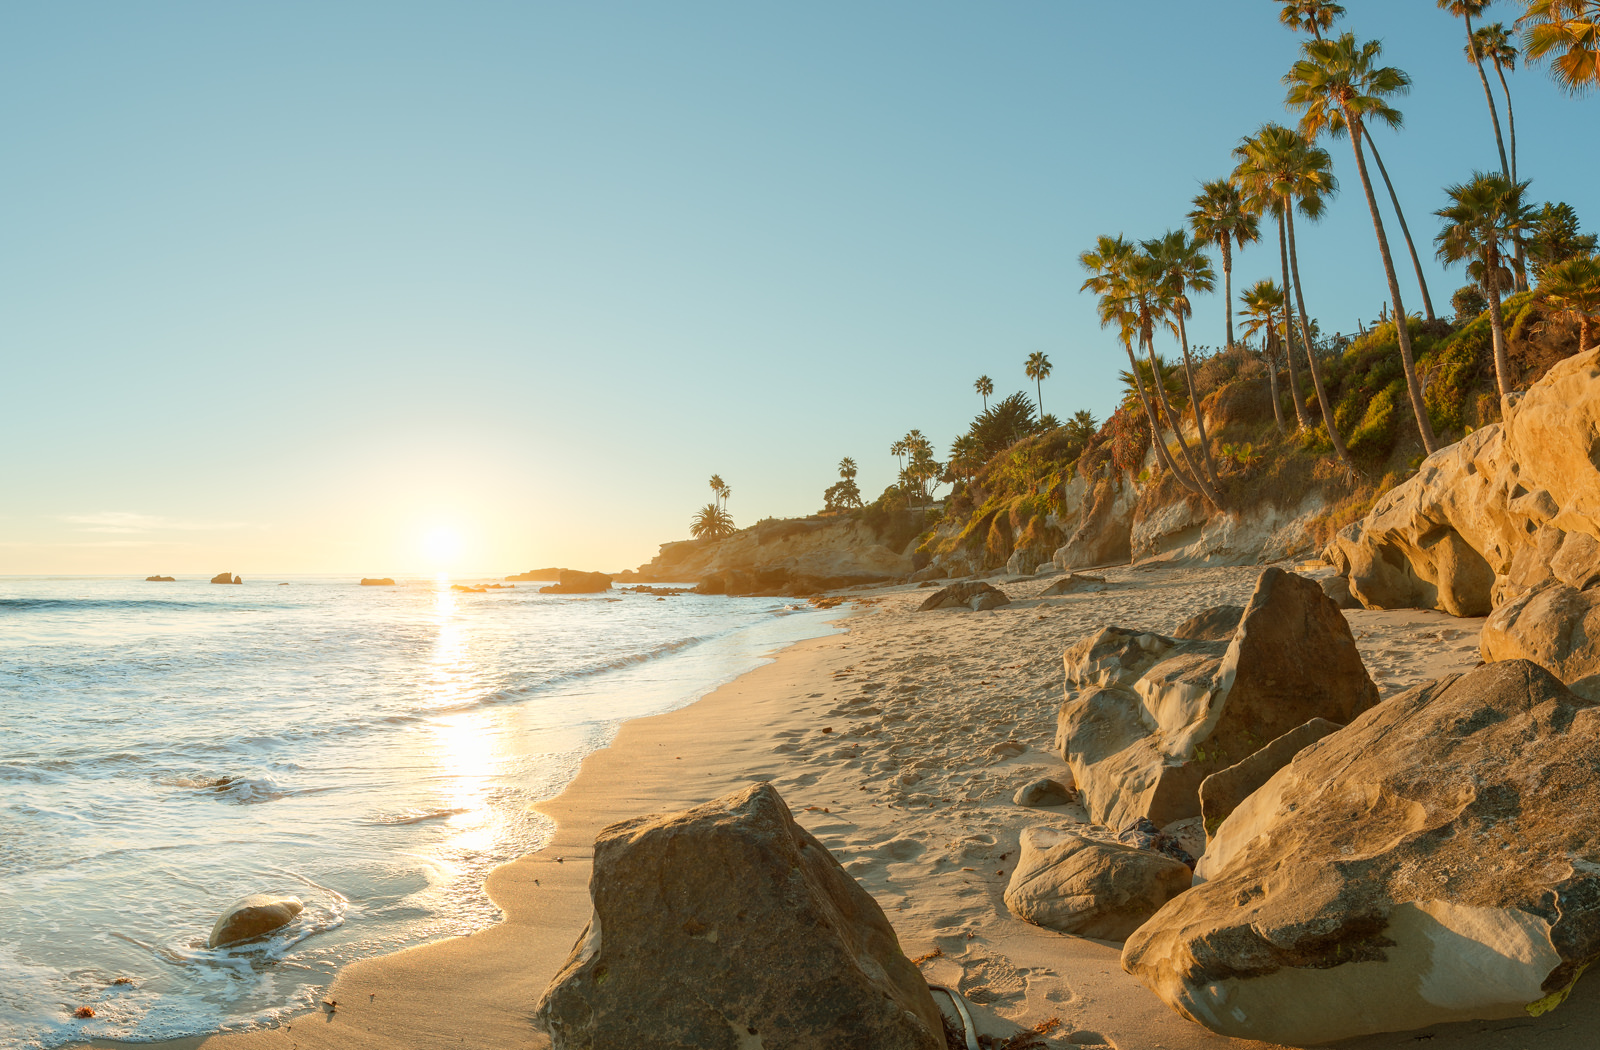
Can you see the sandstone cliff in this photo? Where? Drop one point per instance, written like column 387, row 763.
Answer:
column 794, row 556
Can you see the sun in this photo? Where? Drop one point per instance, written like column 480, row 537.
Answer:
column 441, row 546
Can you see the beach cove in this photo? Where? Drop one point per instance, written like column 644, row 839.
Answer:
column 932, row 721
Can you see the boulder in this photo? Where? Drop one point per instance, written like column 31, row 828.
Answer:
column 1073, row 884
column 578, row 583
column 252, row 916
column 1143, row 834
column 1429, row 863
column 223, row 577
column 1223, row 791
column 728, row 926
column 1554, row 625
column 1215, row 624
column 928, row 573
column 1072, row 583
column 1146, row 717
column 1044, row 792
column 382, row 581
column 161, row 579
column 1338, row 588
column 970, row 594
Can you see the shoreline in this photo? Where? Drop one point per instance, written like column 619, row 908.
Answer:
column 897, row 743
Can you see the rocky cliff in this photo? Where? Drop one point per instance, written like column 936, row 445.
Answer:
column 793, row 557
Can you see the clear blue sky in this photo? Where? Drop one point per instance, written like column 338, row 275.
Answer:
column 287, row 287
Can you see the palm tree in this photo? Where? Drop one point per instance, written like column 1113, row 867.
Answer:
column 966, row 457
column 1567, row 32
column 1465, row 9
column 1263, row 302
column 847, row 468
column 1110, row 264
column 720, row 490
column 1339, row 86
column 1223, row 217
column 1184, row 267
column 1314, row 16
column 1573, row 289
column 1493, row 42
column 1038, row 370
column 1258, row 177
column 898, row 450
column 984, row 386
column 1281, row 161
column 711, row 522
column 1485, row 214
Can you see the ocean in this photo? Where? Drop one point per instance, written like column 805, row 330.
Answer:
column 166, row 748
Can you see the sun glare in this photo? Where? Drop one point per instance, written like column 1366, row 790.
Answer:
column 442, row 546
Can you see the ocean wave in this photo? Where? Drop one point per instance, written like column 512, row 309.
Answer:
column 243, row 790
column 21, row 605
column 417, row 817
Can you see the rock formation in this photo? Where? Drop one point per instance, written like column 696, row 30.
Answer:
column 1428, row 863
column 792, row 557
column 223, row 577
column 974, row 594
column 572, row 582
column 1043, row 792
column 728, row 926
column 1223, row 791
column 536, row 575
column 253, row 916
column 1554, row 625
column 1078, row 885
column 1146, row 718
column 1484, row 521
column 1217, row 623
column 1072, row 583
column 382, row 581
column 162, row 579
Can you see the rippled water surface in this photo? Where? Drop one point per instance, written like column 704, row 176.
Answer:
column 168, row 747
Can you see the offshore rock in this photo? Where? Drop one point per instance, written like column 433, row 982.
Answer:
column 380, row 581
column 223, row 577
column 1073, row 884
column 573, row 582
column 253, row 916
column 1147, row 717
column 1423, row 865
column 727, row 926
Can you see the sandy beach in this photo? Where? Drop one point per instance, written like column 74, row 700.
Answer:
column 898, row 743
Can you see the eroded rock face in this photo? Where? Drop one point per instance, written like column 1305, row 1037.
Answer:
column 972, row 594
column 1223, row 791
column 1104, row 535
column 728, row 926
column 1554, row 625
column 1425, row 864
column 1487, row 519
column 1077, row 885
column 1148, row 717
column 792, row 556
column 1215, row 624
column 253, row 916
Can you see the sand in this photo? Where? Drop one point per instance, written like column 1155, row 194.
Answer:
column 899, row 744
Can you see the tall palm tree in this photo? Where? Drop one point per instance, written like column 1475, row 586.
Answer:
column 1315, row 16
column 847, row 468
column 1110, row 264
column 1284, row 163
column 1184, row 268
column 984, row 386
column 1222, row 216
column 1486, row 215
column 1263, row 303
column 1465, row 9
column 720, row 490
column 1258, row 177
column 1573, row 289
column 1339, row 85
column 1038, row 370
column 898, row 450
column 1567, row 33
column 1494, row 42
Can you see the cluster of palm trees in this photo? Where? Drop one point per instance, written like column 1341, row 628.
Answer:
column 919, row 472
column 1036, row 368
column 713, row 520
column 1340, row 89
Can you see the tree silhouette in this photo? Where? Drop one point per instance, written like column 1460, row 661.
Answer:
column 984, row 386
column 1038, row 370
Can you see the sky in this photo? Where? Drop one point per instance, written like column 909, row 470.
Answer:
column 388, row 288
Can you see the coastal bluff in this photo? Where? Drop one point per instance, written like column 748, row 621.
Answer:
column 796, row 556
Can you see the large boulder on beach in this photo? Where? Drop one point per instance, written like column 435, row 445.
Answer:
column 1222, row 792
column 728, row 926
column 1554, row 625
column 573, row 582
column 1148, row 717
column 1072, row 583
column 1074, row 884
column 1433, row 861
column 252, row 916
column 971, row 594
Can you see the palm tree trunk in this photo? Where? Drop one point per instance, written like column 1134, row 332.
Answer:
column 1227, row 285
column 1172, row 422
column 1272, row 377
column 1038, row 390
column 1194, row 399
column 1162, row 454
column 1497, row 322
column 1511, row 119
column 1416, row 263
column 1402, row 332
column 1288, row 329
column 1494, row 111
column 1311, row 357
